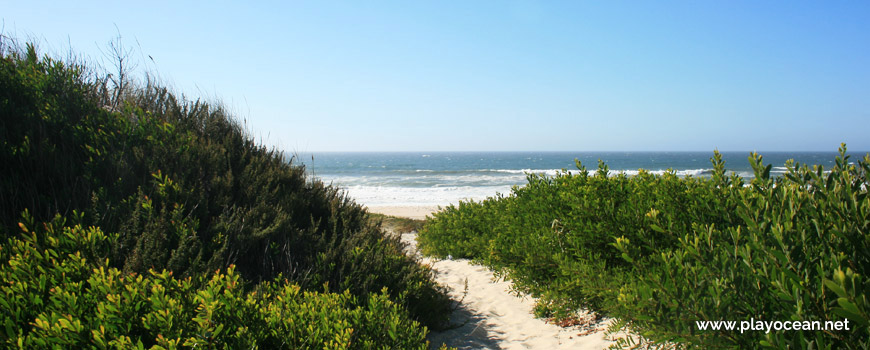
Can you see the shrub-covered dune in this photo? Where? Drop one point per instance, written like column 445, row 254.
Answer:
column 661, row 253
column 132, row 216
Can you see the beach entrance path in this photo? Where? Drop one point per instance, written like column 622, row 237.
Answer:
column 489, row 316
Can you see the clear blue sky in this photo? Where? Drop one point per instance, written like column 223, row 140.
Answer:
column 499, row 75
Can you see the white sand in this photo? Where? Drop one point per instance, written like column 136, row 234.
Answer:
column 413, row 212
column 490, row 317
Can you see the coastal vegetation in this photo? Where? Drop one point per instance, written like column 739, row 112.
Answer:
column 397, row 224
column 131, row 217
column 661, row 252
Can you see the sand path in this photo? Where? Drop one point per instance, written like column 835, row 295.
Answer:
column 490, row 317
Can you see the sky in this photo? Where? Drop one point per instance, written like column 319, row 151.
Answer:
column 311, row 76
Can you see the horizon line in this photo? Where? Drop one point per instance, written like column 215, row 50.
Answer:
column 576, row 151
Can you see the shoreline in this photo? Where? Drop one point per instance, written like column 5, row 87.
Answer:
column 417, row 212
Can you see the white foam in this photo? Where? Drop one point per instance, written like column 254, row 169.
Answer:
column 421, row 196
column 687, row 172
column 432, row 188
column 548, row 172
column 554, row 172
column 428, row 180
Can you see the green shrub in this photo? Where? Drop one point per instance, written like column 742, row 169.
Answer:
column 466, row 227
column 58, row 292
column 184, row 188
column 660, row 252
column 800, row 253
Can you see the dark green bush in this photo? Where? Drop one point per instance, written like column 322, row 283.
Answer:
column 184, row 188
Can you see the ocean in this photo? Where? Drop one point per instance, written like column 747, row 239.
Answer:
column 442, row 178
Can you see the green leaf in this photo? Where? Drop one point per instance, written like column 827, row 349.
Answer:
column 847, row 305
column 779, row 256
column 834, row 287
column 10, row 328
column 860, row 320
column 217, row 330
column 64, row 323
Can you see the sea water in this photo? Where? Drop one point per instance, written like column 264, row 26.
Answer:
column 442, row 178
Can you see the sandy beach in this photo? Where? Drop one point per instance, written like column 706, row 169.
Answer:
column 413, row 212
column 488, row 315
